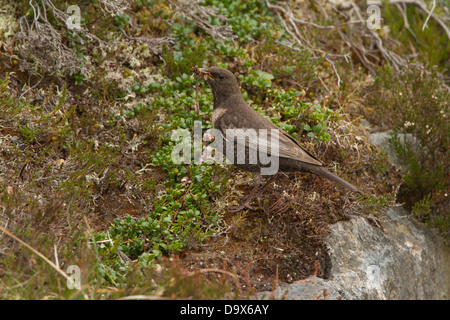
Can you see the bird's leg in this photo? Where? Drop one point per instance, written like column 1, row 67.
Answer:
column 247, row 202
column 251, row 196
column 269, row 182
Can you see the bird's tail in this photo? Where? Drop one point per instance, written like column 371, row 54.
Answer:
column 331, row 176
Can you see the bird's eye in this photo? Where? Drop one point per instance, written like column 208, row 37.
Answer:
column 221, row 76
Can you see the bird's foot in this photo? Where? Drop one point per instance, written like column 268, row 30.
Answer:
column 241, row 207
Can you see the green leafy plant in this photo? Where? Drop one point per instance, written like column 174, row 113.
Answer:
column 78, row 77
column 259, row 79
column 422, row 209
column 296, row 114
column 122, row 20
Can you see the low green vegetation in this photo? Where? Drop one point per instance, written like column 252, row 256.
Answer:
column 415, row 39
column 87, row 177
column 415, row 105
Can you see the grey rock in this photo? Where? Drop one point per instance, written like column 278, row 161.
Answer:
column 407, row 260
column 380, row 139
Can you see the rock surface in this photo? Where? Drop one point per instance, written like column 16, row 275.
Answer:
column 380, row 139
column 406, row 261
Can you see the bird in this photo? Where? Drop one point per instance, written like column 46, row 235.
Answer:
column 230, row 111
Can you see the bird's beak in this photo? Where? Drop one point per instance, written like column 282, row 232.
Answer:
column 206, row 74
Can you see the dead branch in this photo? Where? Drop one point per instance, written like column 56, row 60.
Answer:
column 423, row 7
column 45, row 44
column 391, row 57
column 300, row 39
column 54, row 266
column 312, row 24
column 153, row 43
column 200, row 14
column 368, row 55
column 115, row 7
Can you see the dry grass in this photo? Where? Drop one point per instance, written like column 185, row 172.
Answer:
column 79, row 130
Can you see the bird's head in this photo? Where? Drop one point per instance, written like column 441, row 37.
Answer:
column 223, row 83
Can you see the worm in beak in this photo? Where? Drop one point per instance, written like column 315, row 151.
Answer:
column 206, row 74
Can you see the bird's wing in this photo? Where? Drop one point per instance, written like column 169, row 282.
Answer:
column 290, row 148
column 263, row 135
column 274, row 142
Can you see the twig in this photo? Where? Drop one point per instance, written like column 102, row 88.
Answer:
column 424, row 8
column 56, row 255
column 154, row 44
column 335, row 71
column 143, row 297
column 402, row 9
column 37, row 83
column 196, row 95
column 425, row 24
column 234, row 276
column 36, row 252
column 201, row 15
column 366, row 56
column 303, row 22
column 300, row 40
column 21, row 170
column 390, row 56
